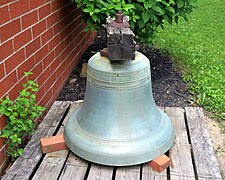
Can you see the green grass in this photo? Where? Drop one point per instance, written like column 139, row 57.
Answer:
column 198, row 47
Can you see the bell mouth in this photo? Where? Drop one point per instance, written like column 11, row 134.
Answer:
column 116, row 152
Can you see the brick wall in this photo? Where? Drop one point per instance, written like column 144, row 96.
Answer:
column 42, row 36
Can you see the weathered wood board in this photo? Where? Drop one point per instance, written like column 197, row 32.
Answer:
column 75, row 168
column 204, row 157
column 99, row 172
column 128, row 173
column 148, row 173
column 180, row 152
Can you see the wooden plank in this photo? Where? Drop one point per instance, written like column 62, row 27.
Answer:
column 128, row 173
column 74, row 105
column 75, row 168
column 180, row 154
column 48, row 128
column 23, row 167
column 52, row 163
column 99, row 172
column 204, row 157
column 148, row 173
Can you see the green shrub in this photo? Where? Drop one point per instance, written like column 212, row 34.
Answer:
column 20, row 114
column 145, row 15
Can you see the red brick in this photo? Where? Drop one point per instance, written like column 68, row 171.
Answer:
column 6, row 49
column 13, row 94
column 65, row 53
column 40, row 93
column 47, row 36
column 66, row 2
column 18, row 8
column 37, row 70
column 2, row 121
column 44, row 11
column 50, row 81
column 56, row 4
column 4, row 14
column 60, row 69
column 2, row 142
column 66, row 73
column 7, row 83
column 22, row 39
column 12, row 62
column 2, row 72
column 160, row 164
column 2, row 2
column 26, row 67
column 3, row 156
column 52, row 19
column 41, row 54
column 29, row 19
column 35, row 3
column 52, row 144
column 46, row 98
column 39, row 28
column 44, row 76
column 58, row 84
column 59, row 48
column 48, row 59
column 55, row 64
column 53, row 43
column 33, row 46
column 58, row 27
column 9, row 30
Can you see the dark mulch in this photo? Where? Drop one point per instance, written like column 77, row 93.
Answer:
column 167, row 84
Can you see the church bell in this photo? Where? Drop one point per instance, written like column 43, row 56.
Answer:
column 118, row 122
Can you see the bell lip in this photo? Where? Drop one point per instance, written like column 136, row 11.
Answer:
column 102, row 158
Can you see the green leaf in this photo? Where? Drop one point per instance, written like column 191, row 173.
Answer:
column 192, row 2
column 170, row 9
column 139, row 7
column 180, row 3
column 87, row 10
column 27, row 74
column 153, row 17
column 158, row 9
column 145, row 16
column 141, row 23
column 149, row 3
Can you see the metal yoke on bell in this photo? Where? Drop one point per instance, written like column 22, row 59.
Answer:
column 118, row 122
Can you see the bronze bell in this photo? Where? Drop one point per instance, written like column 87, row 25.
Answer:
column 118, row 123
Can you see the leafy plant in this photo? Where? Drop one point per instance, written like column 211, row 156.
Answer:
column 145, row 15
column 20, row 114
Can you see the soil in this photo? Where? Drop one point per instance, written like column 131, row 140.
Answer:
column 167, row 85
column 218, row 141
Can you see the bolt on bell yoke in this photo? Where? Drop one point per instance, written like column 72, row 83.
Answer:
column 118, row 122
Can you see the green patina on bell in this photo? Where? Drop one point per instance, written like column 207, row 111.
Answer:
column 118, row 123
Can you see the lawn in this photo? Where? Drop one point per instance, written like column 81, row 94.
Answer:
column 198, row 47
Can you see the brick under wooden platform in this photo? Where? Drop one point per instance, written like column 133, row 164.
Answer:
column 192, row 153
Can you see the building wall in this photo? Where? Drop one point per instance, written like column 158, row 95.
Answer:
column 42, row 36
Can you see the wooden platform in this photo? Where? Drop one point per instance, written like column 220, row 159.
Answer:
column 192, row 153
